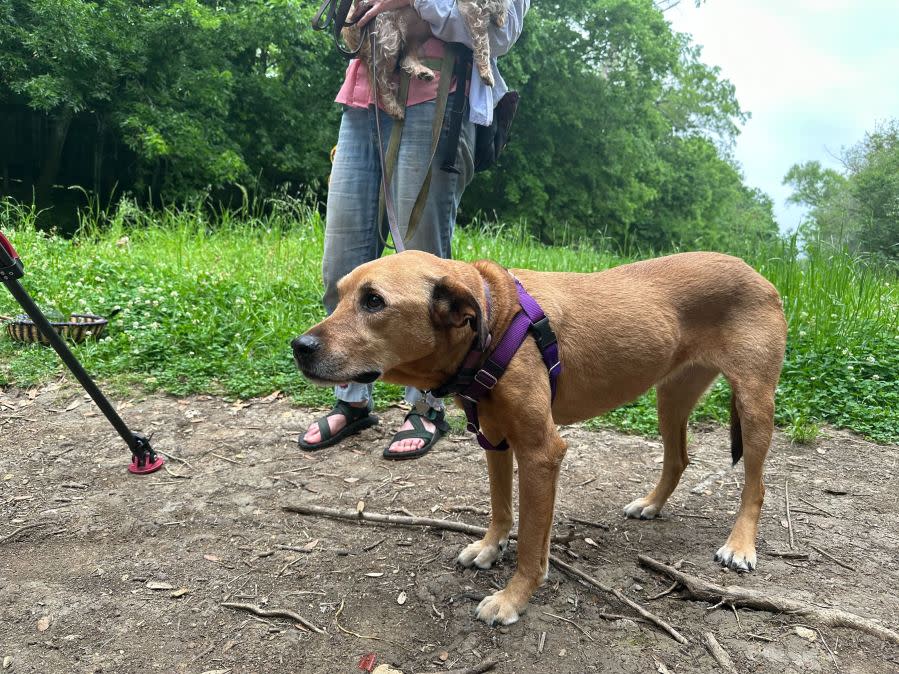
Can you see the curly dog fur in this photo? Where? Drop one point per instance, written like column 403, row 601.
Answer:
column 401, row 33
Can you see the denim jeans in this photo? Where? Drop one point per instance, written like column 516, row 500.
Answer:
column 351, row 228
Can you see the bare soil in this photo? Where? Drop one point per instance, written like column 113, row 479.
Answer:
column 128, row 574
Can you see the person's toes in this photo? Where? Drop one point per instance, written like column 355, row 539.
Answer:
column 313, row 434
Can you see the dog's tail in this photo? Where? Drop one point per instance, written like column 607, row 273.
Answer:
column 736, row 432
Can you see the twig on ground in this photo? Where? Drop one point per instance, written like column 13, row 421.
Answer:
column 15, row 533
column 224, row 458
column 589, row 523
column 485, row 666
column 620, row 597
column 568, row 620
column 465, row 509
column 832, row 558
column 346, row 631
column 717, row 652
column 663, row 592
column 789, row 555
column 816, row 507
column 175, row 458
column 274, row 613
column 181, row 476
column 541, row 641
column 787, row 505
column 748, row 598
column 449, row 525
column 380, row 518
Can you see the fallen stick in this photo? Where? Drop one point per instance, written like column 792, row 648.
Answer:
column 787, row 505
column 832, row 558
column 748, row 598
column 655, row 620
column 485, row 666
column 448, row 525
column 717, row 652
column 274, row 613
column 15, row 533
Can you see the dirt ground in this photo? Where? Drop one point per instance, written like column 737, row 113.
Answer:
column 101, row 571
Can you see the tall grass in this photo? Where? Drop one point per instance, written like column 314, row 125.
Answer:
column 212, row 309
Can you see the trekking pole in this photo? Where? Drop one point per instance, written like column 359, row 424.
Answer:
column 143, row 459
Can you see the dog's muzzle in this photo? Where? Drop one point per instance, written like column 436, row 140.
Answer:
column 307, row 352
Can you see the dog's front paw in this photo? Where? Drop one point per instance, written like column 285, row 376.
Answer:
column 498, row 608
column 481, row 554
column 738, row 560
column 642, row 509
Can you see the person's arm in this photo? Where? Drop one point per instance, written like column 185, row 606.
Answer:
column 448, row 25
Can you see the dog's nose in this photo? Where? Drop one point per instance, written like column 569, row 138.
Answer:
column 305, row 344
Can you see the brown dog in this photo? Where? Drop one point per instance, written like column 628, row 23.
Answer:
column 674, row 322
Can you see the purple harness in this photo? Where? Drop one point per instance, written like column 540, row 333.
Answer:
column 471, row 384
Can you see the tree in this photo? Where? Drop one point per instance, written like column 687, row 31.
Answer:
column 619, row 120
column 860, row 207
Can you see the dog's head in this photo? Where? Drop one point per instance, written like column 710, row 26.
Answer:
column 407, row 318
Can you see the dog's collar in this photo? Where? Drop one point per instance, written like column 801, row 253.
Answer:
column 471, row 383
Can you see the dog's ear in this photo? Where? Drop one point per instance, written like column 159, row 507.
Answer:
column 453, row 305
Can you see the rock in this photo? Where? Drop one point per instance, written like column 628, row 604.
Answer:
column 805, row 632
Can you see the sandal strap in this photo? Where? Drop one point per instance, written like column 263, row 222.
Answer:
column 351, row 413
column 436, row 417
column 324, row 428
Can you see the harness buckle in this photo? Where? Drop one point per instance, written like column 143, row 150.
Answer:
column 486, row 384
column 543, row 333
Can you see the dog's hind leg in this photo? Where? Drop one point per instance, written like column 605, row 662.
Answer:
column 485, row 552
column 754, row 403
column 677, row 395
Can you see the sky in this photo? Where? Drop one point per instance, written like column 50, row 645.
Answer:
column 814, row 74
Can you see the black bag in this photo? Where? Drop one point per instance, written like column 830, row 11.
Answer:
column 491, row 140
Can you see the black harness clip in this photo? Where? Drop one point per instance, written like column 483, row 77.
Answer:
column 543, row 333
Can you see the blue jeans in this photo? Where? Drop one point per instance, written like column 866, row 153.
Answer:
column 351, row 224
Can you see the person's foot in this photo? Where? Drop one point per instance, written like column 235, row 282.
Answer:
column 337, row 421
column 420, row 431
column 410, row 444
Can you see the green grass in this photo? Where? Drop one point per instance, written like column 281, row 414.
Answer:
column 213, row 308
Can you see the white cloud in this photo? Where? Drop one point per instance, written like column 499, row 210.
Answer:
column 815, row 74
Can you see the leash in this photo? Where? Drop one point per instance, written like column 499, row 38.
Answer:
column 333, row 15
column 398, row 244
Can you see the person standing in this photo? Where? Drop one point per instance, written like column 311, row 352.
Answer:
column 352, row 232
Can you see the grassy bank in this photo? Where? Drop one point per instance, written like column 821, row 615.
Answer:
column 213, row 309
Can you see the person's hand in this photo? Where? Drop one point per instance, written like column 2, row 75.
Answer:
column 366, row 10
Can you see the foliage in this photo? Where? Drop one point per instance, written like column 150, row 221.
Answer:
column 204, row 94
column 623, row 132
column 860, row 207
column 213, row 310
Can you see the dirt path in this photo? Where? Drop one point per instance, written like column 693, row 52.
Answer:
column 128, row 574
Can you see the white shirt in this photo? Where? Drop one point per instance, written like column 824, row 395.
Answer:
column 448, row 25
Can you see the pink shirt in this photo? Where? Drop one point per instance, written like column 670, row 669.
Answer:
column 356, row 90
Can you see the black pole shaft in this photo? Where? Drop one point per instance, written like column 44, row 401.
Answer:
column 71, row 362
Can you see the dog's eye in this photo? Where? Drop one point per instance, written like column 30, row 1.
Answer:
column 373, row 302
